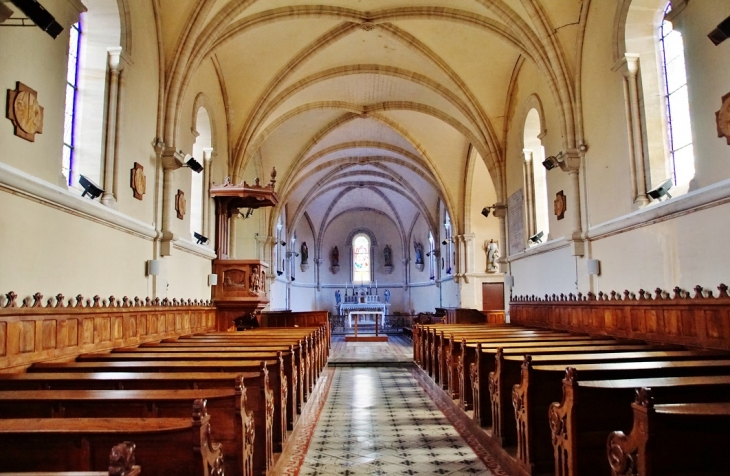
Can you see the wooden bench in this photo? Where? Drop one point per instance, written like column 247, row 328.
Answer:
column 121, row 463
column 485, row 364
column 275, row 377
column 257, row 393
column 287, row 357
column 295, row 390
column 231, row 424
column 589, row 410
column 540, row 385
column 672, row 439
column 72, row 444
column 299, row 376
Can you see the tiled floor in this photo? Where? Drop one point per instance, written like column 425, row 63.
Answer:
column 397, row 351
column 378, row 420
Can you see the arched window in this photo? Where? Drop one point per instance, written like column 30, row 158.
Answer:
column 431, row 256
column 201, row 152
column 361, row 269
column 447, row 244
column 72, row 88
column 679, row 129
column 89, row 136
column 535, row 179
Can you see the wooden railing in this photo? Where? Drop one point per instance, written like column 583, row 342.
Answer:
column 61, row 329
column 698, row 320
column 470, row 316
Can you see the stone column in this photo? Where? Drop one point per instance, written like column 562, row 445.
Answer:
column 570, row 162
column 171, row 160
column 469, row 264
column 529, row 183
column 111, row 132
column 207, row 161
column 318, row 273
column 629, row 67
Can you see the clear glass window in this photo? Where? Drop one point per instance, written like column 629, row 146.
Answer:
column 69, row 122
column 679, row 128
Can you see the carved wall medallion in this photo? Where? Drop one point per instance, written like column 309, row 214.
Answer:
column 723, row 119
column 180, row 204
column 138, row 181
column 560, row 205
column 24, row 112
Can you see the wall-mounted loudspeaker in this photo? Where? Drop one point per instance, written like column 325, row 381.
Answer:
column 594, row 266
column 212, row 279
column 154, row 267
column 721, row 33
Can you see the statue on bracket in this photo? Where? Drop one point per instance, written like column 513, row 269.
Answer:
column 418, row 247
column 335, row 259
column 492, row 250
column 388, row 255
column 304, row 251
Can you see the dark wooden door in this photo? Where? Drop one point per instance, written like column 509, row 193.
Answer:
column 492, row 296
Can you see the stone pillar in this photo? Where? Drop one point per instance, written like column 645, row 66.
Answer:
column 207, row 161
column 317, row 271
column 629, row 67
column 529, row 183
column 500, row 211
column 570, row 162
column 171, row 160
column 111, row 132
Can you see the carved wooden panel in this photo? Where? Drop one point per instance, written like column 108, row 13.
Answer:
column 26, row 341
column 31, row 332
column 48, row 339
column 3, row 338
column 702, row 320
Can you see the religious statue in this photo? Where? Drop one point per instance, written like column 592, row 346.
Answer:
column 388, row 255
column 305, row 252
column 387, row 295
column 419, row 252
column 335, row 257
column 254, row 282
column 492, row 250
column 338, row 297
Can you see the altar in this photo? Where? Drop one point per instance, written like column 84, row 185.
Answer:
column 373, row 307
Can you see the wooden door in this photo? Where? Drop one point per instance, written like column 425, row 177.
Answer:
column 493, row 296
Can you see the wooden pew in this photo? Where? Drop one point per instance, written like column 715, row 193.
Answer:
column 287, row 356
column 275, row 367
column 69, row 444
column 231, row 424
column 488, row 356
column 121, row 463
column 294, row 392
column 590, row 410
column 299, row 376
column 459, row 360
column 540, row 385
column 672, row 439
column 422, row 334
column 257, row 394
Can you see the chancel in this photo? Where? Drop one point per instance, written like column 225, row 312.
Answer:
column 253, row 225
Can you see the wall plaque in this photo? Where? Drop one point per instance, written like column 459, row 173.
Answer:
column 180, row 204
column 560, row 205
column 138, row 181
column 24, row 112
column 723, row 119
column 516, row 222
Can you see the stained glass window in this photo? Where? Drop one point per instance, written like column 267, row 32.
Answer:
column 361, row 259
column 679, row 129
column 69, row 123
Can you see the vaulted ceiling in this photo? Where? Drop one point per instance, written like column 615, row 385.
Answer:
column 363, row 104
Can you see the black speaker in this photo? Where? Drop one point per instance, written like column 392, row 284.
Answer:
column 40, row 16
column 721, row 33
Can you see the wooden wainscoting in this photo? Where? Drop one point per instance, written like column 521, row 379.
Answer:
column 59, row 330
column 700, row 319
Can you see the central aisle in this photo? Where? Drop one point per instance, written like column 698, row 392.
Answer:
column 378, row 420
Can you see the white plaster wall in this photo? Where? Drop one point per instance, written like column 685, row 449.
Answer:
column 684, row 252
column 50, row 251
column 545, row 273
